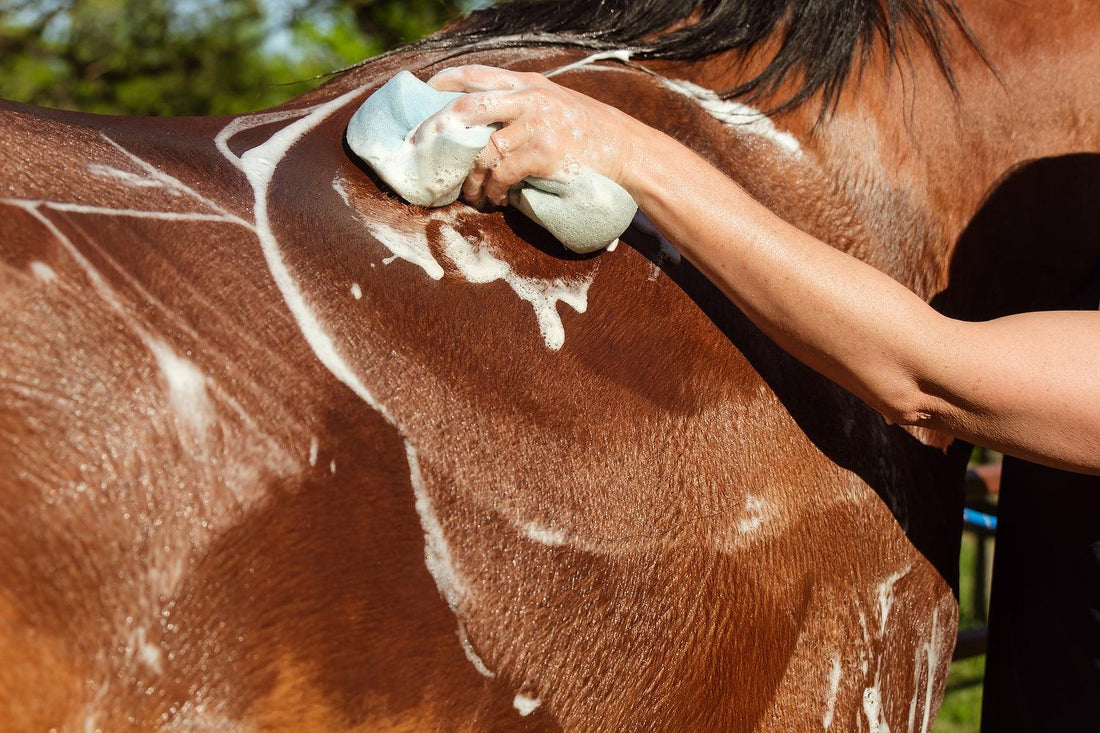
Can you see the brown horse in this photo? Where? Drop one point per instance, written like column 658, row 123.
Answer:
column 283, row 452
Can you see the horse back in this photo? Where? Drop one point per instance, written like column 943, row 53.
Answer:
column 284, row 449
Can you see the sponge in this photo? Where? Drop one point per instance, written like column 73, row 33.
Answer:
column 585, row 212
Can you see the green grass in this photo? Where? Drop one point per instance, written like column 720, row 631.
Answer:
column 962, row 704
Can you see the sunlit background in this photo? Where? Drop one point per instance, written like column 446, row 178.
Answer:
column 195, row 57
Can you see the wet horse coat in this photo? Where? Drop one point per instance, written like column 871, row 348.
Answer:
column 285, row 452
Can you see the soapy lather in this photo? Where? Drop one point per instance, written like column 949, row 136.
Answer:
column 585, row 211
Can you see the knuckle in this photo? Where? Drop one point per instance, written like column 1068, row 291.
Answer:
column 535, row 95
column 508, row 173
column 500, row 141
column 471, row 193
column 486, row 159
column 463, row 105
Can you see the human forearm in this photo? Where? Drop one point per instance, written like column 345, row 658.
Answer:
column 872, row 335
column 831, row 311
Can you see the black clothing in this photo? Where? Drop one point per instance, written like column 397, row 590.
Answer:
column 1043, row 667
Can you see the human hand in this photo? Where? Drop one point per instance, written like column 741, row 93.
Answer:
column 547, row 131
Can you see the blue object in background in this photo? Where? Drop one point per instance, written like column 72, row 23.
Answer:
column 980, row 519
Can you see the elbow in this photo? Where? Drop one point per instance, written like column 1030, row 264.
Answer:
column 907, row 406
column 907, row 379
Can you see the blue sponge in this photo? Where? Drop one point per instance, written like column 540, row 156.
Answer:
column 584, row 212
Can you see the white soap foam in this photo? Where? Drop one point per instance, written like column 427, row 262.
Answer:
column 43, row 272
column 745, row 118
column 471, row 655
column 437, row 558
column 339, row 185
column 173, row 184
column 481, row 265
column 145, row 651
column 932, row 655
column 872, row 709
column 166, row 574
column 619, row 54
column 753, row 517
column 98, row 282
column 544, row 535
column 134, row 180
column 409, row 246
column 886, row 597
column 437, row 553
column 833, row 688
column 525, row 705
column 872, row 702
column 259, row 164
column 186, row 386
column 134, row 213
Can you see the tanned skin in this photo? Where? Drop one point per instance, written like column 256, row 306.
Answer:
column 835, row 313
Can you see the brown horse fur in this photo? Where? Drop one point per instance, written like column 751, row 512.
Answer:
column 259, row 473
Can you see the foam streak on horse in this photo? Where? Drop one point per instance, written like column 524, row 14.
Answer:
column 282, row 451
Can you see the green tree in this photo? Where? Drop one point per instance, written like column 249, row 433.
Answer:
column 193, row 57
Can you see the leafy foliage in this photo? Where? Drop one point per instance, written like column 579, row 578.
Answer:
column 193, row 57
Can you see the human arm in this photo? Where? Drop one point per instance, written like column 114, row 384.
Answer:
column 1027, row 384
column 1022, row 384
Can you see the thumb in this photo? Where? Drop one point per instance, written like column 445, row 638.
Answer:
column 475, row 78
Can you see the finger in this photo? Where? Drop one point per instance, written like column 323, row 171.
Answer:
column 507, row 174
column 508, row 139
column 473, row 188
column 469, row 110
column 501, row 144
column 479, row 78
column 485, row 108
column 487, row 159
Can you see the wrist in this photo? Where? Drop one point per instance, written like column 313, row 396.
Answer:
column 642, row 151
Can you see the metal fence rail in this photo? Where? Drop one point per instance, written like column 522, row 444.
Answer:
column 980, row 519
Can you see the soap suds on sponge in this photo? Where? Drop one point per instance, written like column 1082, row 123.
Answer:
column 427, row 166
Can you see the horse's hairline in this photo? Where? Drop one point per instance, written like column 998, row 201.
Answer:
column 899, row 52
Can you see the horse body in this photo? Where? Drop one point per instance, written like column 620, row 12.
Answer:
column 286, row 452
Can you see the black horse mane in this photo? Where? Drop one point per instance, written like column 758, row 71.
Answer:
column 821, row 41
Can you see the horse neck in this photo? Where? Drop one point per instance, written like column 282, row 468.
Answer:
column 911, row 160
column 918, row 160
column 1035, row 99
